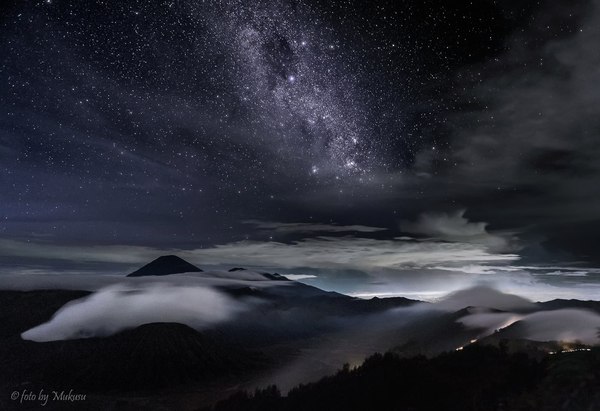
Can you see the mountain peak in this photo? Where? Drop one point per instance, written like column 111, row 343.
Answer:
column 165, row 265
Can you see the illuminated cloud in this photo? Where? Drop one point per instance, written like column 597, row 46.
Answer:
column 456, row 228
column 568, row 325
column 317, row 252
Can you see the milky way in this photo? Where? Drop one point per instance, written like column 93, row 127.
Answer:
column 171, row 124
column 290, row 79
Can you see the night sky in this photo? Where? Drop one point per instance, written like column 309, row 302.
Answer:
column 407, row 146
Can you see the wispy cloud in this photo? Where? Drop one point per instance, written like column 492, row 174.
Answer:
column 448, row 252
column 305, row 228
column 347, row 253
column 456, row 241
column 101, row 253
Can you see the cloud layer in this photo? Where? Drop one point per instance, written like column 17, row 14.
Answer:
column 119, row 307
column 568, row 325
column 448, row 252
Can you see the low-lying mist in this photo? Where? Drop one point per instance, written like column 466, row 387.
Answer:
column 429, row 328
column 119, row 307
column 331, row 337
column 568, row 325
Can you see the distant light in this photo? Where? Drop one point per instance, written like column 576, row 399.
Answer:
column 291, row 79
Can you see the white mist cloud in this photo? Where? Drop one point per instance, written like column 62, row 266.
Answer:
column 92, row 282
column 119, row 307
column 490, row 321
column 481, row 296
column 563, row 325
column 568, row 325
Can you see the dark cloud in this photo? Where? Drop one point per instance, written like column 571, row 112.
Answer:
column 531, row 143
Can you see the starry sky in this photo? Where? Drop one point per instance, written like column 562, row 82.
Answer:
column 266, row 132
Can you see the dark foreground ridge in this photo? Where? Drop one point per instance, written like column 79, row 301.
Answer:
column 483, row 378
column 165, row 265
column 151, row 356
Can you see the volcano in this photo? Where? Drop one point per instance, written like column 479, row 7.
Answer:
column 165, row 265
